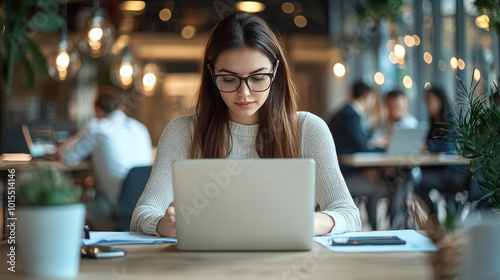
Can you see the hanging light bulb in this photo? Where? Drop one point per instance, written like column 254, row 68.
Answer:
column 151, row 79
column 65, row 62
column 98, row 34
column 125, row 69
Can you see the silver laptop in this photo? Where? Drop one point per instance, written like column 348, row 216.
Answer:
column 42, row 146
column 247, row 205
column 407, row 141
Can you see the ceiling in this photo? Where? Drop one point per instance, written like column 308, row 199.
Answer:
column 204, row 13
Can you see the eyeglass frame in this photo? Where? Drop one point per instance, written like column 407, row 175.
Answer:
column 270, row 75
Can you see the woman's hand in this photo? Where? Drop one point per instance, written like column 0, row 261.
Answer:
column 323, row 223
column 166, row 225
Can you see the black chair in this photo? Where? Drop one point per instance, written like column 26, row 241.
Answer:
column 132, row 189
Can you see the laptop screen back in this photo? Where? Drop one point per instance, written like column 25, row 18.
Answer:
column 407, row 141
column 261, row 204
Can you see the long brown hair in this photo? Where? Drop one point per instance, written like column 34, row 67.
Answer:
column 278, row 134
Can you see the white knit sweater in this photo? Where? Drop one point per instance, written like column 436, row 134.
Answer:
column 331, row 193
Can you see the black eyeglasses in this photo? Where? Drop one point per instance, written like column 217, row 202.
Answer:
column 256, row 82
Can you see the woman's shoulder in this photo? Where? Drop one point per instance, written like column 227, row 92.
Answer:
column 181, row 122
column 181, row 125
column 309, row 119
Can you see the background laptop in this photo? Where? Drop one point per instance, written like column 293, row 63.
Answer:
column 260, row 204
column 42, row 144
column 407, row 141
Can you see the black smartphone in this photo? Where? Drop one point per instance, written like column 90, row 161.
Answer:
column 367, row 240
column 97, row 252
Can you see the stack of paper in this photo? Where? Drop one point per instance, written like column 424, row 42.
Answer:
column 115, row 238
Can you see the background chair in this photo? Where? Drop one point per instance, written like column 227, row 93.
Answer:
column 132, row 189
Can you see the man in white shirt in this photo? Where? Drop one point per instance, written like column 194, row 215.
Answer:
column 116, row 144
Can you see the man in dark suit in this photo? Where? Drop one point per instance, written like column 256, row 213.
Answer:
column 351, row 131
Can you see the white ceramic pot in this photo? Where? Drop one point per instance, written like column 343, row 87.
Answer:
column 49, row 239
column 481, row 254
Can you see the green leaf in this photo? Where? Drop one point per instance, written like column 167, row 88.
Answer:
column 39, row 62
column 28, row 74
column 44, row 22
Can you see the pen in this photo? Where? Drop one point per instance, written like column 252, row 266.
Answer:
column 86, row 232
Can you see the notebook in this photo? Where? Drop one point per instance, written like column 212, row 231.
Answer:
column 244, row 205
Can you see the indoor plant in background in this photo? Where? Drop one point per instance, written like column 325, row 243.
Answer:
column 476, row 130
column 50, row 223
column 474, row 251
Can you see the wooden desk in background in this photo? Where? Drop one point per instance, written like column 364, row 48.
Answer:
column 380, row 160
column 163, row 261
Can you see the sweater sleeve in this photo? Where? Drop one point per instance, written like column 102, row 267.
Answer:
column 332, row 194
column 174, row 144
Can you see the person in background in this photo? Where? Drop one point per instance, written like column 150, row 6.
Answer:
column 448, row 179
column 398, row 178
column 397, row 116
column 246, row 108
column 351, row 127
column 116, row 144
column 351, row 131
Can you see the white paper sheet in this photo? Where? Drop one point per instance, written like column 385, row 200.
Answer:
column 115, row 238
column 414, row 242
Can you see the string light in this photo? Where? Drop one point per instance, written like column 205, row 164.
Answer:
column 477, row 74
column 453, row 63
column 300, row 21
column 416, row 39
column 133, row 6
column 390, row 45
column 393, row 58
column 287, row 7
column 188, row 32
column 339, row 70
column 409, row 41
column 483, row 22
column 379, row 78
column 461, row 64
column 250, row 6
column 399, row 50
column 427, row 58
column 407, row 82
column 165, row 14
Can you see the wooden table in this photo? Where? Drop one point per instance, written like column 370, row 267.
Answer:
column 379, row 160
column 163, row 261
column 36, row 163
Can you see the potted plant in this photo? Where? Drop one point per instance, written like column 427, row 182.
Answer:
column 50, row 223
column 476, row 130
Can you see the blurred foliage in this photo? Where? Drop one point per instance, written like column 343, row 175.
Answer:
column 476, row 130
column 20, row 17
column 378, row 10
column 49, row 186
column 491, row 8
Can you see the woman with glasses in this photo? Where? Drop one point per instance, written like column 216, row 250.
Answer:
column 246, row 108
